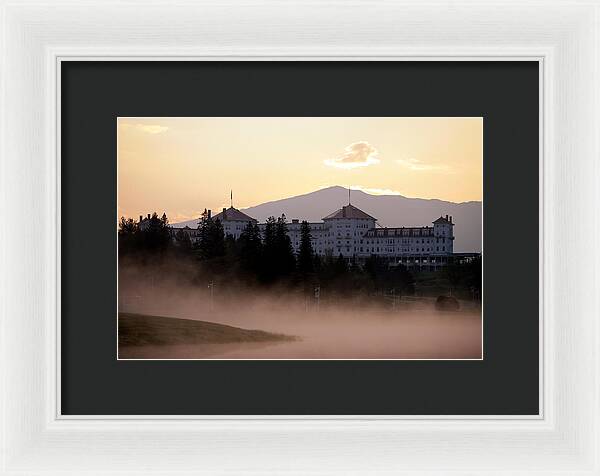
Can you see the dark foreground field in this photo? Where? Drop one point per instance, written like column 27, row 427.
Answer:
column 141, row 334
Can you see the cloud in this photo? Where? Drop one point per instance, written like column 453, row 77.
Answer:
column 369, row 190
column 420, row 166
column 357, row 154
column 147, row 128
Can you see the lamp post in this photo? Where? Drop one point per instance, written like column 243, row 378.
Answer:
column 211, row 286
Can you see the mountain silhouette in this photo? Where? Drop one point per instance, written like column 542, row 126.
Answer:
column 390, row 211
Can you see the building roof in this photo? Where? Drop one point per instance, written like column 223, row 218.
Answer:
column 349, row 211
column 231, row 214
column 443, row 220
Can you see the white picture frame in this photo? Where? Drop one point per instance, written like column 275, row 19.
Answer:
column 562, row 35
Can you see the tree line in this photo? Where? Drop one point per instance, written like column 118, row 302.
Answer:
column 257, row 258
column 267, row 258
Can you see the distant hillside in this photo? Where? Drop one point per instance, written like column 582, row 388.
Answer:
column 390, row 211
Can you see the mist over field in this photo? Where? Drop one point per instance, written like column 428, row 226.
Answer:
column 335, row 327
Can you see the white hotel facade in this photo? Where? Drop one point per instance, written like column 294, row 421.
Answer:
column 354, row 234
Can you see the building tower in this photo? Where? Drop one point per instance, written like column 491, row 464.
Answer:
column 444, row 234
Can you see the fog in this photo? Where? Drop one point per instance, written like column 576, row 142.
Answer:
column 339, row 327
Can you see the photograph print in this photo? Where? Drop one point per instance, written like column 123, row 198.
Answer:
column 300, row 238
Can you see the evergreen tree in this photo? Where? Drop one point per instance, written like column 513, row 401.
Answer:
column 278, row 253
column 231, row 262
column 305, row 253
column 270, row 234
column 203, row 217
column 212, row 238
column 128, row 235
column 127, row 226
column 156, row 236
column 250, row 246
column 269, row 256
column 285, row 252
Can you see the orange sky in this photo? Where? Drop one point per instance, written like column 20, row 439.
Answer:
column 183, row 165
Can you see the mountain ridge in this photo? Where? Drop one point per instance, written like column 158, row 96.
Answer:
column 345, row 190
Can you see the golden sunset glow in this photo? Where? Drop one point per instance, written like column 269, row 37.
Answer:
column 183, row 165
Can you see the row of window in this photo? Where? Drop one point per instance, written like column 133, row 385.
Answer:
column 378, row 249
column 360, row 225
column 404, row 250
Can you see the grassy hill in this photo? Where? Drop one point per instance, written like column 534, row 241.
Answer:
column 141, row 329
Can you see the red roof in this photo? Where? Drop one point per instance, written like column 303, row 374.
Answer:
column 349, row 211
column 443, row 220
column 232, row 214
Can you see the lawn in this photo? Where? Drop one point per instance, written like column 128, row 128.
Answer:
column 141, row 329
